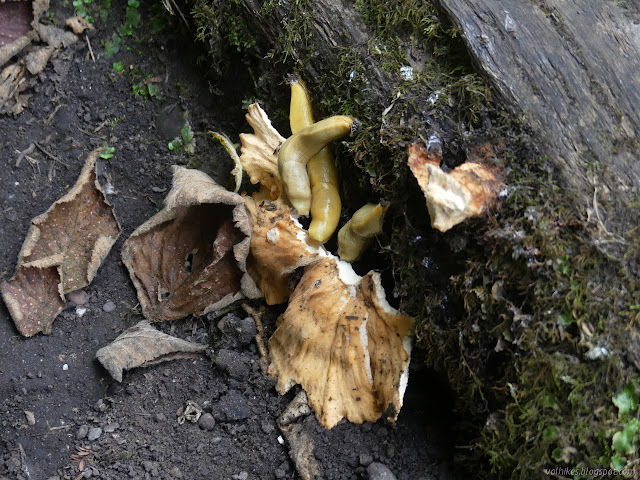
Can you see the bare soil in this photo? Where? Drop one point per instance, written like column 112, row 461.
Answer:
column 78, row 104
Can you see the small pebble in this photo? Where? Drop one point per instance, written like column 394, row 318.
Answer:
column 365, row 459
column 112, row 427
column 241, row 476
column 79, row 297
column 207, row 422
column 65, row 367
column 109, row 306
column 31, row 418
column 180, row 412
column 94, row 433
column 378, row 471
column 82, row 431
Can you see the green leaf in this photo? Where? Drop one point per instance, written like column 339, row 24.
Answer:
column 153, row 89
column 107, row 153
column 618, row 463
column 564, row 319
column 117, row 67
column 549, row 432
column 187, row 133
column 626, row 401
column 625, row 442
column 556, row 454
column 549, row 401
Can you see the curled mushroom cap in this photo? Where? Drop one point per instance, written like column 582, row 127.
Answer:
column 346, row 346
column 468, row 190
column 259, row 153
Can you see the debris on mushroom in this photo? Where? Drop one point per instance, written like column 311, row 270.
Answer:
column 468, row 190
column 190, row 258
column 259, row 153
column 279, row 246
column 365, row 224
column 344, row 344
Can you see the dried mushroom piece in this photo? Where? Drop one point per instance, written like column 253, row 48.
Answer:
column 72, row 237
column 468, row 190
column 143, row 346
column 279, row 246
column 346, row 346
column 259, row 153
column 190, row 258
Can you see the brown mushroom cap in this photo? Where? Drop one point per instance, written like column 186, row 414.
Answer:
column 279, row 246
column 259, row 153
column 346, row 346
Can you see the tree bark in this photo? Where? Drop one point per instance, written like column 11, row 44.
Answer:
column 572, row 69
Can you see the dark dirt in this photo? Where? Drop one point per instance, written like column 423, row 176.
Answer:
column 77, row 105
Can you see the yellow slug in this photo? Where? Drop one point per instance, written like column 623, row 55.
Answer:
column 298, row 149
column 365, row 224
column 323, row 174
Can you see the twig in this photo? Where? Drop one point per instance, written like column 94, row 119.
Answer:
column 91, row 134
column 86, row 37
column 180, row 12
column 262, row 349
column 53, row 114
column 49, row 154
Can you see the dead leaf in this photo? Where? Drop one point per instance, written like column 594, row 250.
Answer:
column 279, row 246
column 74, row 235
column 346, row 346
column 55, row 37
column 78, row 24
column 190, row 258
column 15, row 21
column 142, row 346
column 39, row 288
column 37, row 60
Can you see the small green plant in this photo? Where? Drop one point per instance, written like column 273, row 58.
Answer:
column 81, row 8
column 146, row 89
column 625, row 441
column 107, row 152
column 112, row 46
column 132, row 18
column 117, row 68
column 184, row 142
column 117, row 121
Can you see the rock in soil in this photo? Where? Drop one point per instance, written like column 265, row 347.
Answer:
column 378, row 471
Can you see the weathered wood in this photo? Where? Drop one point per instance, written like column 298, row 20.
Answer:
column 573, row 69
column 333, row 27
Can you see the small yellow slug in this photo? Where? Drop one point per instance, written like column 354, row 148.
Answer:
column 298, row 149
column 365, row 224
column 323, row 175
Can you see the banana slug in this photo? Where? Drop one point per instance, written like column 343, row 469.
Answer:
column 298, row 149
column 365, row 224
column 323, row 174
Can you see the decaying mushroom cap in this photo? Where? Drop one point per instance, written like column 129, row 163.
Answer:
column 190, row 258
column 469, row 190
column 346, row 346
column 259, row 153
column 279, row 246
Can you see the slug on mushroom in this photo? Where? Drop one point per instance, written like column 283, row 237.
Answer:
column 365, row 224
column 299, row 148
column 323, row 175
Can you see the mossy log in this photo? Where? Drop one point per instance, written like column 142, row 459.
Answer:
column 570, row 69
